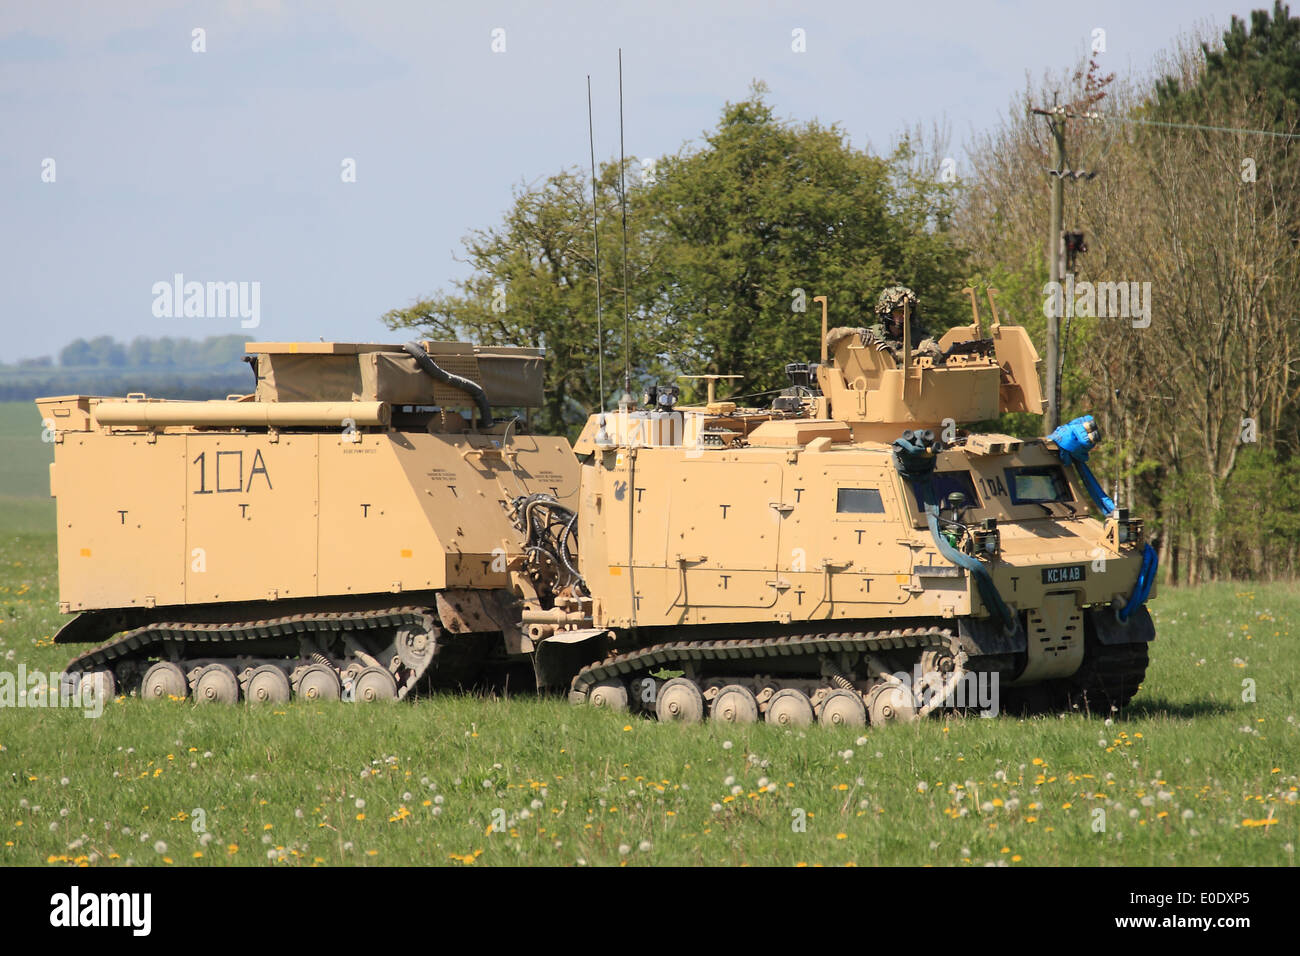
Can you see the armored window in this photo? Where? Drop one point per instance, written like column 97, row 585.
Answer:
column 1030, row 486
column 944, row 483
column 859, row 501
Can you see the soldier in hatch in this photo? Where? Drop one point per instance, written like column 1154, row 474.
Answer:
column 887, row 334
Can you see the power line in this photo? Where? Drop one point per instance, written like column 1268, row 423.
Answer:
column 1062, row 111
column 1212, row 129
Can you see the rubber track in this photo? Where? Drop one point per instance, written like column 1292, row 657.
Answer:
column 144, row 641
column 787, row 645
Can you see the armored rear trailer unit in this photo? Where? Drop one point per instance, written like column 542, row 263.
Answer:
column 330, row 533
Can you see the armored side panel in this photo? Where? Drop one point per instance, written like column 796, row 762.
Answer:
column 755, row 533
column 183, row 515
column 825, row 532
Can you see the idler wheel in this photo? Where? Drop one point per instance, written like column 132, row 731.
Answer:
column 99, row 685
column 372, row 684
column 886, row 702
column 164, row 680
column 610, row 694
column 267, row 684
column 216, row 684
column 317, row 682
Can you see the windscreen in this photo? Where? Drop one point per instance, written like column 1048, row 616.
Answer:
column 944, row 483
column 1038, row 485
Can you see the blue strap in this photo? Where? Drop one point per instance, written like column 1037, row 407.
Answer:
column 1075, row 440
column 1099, row 497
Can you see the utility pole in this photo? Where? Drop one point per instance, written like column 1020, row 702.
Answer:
column 1056, row 126
column 1061, row 247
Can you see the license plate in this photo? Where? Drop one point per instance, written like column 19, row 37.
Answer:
column 1065, row 574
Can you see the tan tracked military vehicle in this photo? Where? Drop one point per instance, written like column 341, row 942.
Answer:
column 850, row 554
column 344, row 530
column 847, row 554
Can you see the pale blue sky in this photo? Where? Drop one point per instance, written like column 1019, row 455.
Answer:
column 225, row 165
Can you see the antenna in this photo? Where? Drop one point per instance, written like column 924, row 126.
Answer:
column 595, row 231
column 622, row 193
column 712, row 380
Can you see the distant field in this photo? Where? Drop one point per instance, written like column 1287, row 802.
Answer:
column 1193, row 775
column 24, row 458
column 25, row 501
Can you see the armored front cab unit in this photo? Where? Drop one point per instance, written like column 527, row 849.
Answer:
column 782, row 561
column 329, row 533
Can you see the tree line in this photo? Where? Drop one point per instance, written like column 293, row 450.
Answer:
column 171, row 367
column 104, row 351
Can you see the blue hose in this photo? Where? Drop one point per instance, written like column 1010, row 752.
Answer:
column 913, row 461
column 1146, row 577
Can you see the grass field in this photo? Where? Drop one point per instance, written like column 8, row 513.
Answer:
column 25, row 503
column 1192, row 774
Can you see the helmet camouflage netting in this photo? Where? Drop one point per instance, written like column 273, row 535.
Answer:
column 894, row 297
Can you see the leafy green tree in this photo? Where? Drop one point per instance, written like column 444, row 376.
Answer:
column 725, row 243
column 768, row 215
column 100, row 351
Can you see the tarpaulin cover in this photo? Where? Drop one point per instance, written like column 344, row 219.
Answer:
column 284, row 377
column 512, row 377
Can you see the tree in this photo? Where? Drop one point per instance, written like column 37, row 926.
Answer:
column 769, row 214
column 1208, row 218
column 1262, row 60
column 76, row 354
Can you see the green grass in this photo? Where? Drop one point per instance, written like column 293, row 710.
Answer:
column 24, row 457
column 573, row 784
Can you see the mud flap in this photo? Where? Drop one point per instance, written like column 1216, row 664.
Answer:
column 96, row 627
column 1138, row 629
column 559, row 658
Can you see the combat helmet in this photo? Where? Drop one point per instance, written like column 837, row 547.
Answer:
column 894, row 299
